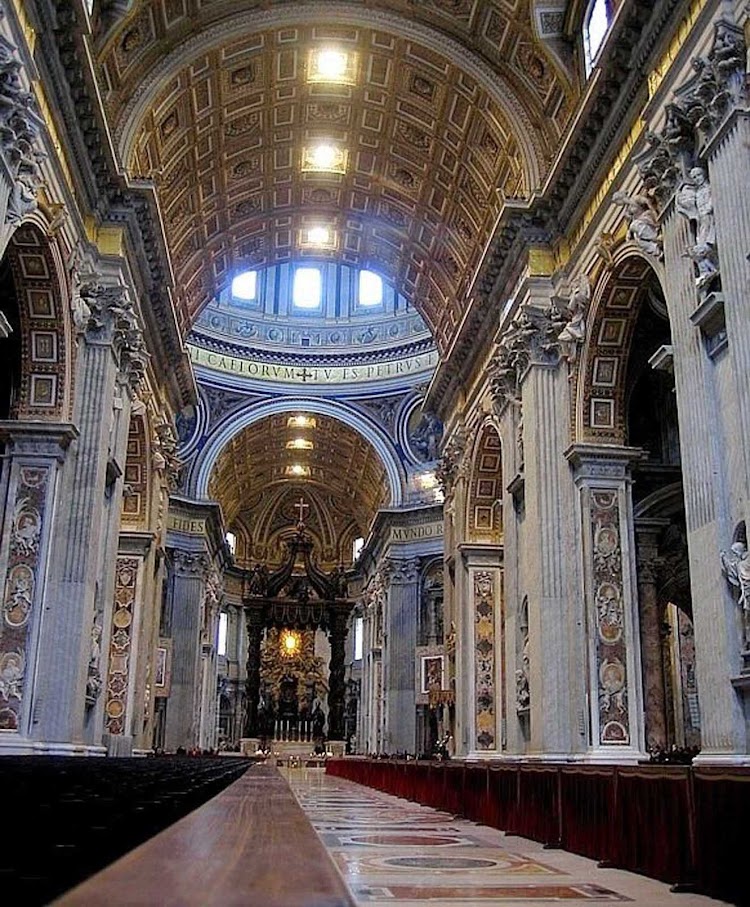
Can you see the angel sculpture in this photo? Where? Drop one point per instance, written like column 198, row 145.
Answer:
column 643, row 227
column 574, row 332
column 735, row 565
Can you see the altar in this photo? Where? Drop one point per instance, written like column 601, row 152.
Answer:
column 297, row 622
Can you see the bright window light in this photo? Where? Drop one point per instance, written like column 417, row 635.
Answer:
column 319, row 236
column 301, row 421
column 359, row 637
column 221, row 645
column 357, row 546
column 300, row 444
column 307, row 288
column 324, row 158
column 595, row 31
column 370, row 288
column 231, row 541
column 298, row 470
column 330, row 64
column 244, row 286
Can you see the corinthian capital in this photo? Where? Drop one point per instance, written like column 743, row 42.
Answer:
column 401, row 572
column 111, row 316
column 191, row 564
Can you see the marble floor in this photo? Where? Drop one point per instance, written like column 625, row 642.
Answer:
column 397, row 853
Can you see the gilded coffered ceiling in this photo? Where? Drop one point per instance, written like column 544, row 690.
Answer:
column 449, row 106
column 257, row 480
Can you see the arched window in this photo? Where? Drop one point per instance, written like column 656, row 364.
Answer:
column 595, row 27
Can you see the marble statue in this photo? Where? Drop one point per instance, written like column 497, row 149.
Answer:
column 643, row 227
column 694, row 202
column 574, row 332
column 735, row 565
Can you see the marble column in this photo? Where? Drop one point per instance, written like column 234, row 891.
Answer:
column 647, row 534
column 705, row 408
column 729, row 169
column 79, row 603
column 400, row 675
column 35, row 452
column 188, row 590
column 602, row 477
column 554, row 687
column 254, row 617
column 337, row 633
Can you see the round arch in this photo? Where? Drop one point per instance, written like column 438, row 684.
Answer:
column 484, row 520
column 349, row 416
column 41, row 288
column 619, row 293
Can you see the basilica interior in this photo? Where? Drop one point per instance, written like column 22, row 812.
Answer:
column 372, row 388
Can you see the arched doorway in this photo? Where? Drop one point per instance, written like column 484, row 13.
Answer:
column 627, row 399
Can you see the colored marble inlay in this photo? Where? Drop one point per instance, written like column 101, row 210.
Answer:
column 484, row 659
column 609, row 619
column 126, row 574
column 20, row 593
column 472, row 895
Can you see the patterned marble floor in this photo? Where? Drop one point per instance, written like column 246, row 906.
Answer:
column 397, row 853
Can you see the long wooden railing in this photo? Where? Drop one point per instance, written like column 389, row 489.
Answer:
column 686, row 826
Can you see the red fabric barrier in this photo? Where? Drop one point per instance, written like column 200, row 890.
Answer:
column 722, row 807
column 673, row 823
column 652, row 822
column 475, row 799
column 587, row 797
column 538, row 814
column 503, row 791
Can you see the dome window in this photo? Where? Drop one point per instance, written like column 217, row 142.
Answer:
column 308, row 288
column 245, row 286
column 370, row 288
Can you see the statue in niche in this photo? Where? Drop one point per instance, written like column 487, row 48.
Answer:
column 523, row 695
column 94, row 678
column 694, row 202
column 735, row 565
column 643, row 227
column 574, row 332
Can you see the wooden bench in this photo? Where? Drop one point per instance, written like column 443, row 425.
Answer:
column 251, row 845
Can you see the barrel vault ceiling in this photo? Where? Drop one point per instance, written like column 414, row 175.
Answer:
column 453, row 105
column 255, row 484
